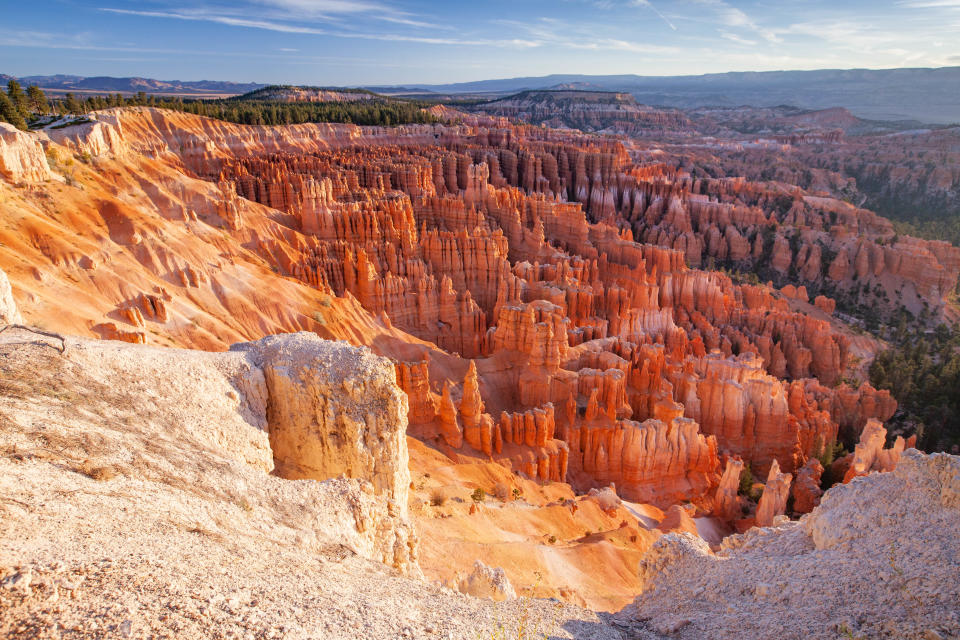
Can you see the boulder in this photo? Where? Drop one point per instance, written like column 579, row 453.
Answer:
column 334, row 410
column 487, row 582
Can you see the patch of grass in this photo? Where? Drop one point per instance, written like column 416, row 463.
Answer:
column 530, row 623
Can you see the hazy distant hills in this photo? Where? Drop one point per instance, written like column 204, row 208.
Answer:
column 927, row 95
column 133, row 85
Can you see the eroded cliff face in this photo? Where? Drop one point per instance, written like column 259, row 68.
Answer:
column 588, row 111
column 21, row 156
column 496, row 266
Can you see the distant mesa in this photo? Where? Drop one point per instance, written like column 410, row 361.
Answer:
column 923, row 95
column 104, row 84
column 279, row 93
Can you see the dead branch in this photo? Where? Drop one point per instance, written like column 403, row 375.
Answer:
column 49, row 334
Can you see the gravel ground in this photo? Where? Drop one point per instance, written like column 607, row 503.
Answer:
column 879, row 558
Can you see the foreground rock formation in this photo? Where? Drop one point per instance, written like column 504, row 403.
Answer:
column 333, row 410
column 810, row 578
column 137, row 502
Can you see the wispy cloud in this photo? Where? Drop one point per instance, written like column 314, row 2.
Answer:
column 930, row 4
column 552, row 32
column 325, row 7
column 283, row 27
column 732, row 37
column 220, row 19
column 649, row 5
column 332, row 10
column 70, row 42
column 730, row 16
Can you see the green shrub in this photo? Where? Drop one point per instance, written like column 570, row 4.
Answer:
column 746, row 480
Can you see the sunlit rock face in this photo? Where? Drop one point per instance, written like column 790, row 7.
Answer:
column 533, row 287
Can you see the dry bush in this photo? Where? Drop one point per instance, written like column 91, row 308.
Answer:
column 438, row 497
column 97, row 472
column 501, row 491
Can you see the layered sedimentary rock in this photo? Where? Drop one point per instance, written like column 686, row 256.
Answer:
column 853, row 408
column 725, row 503
column 806, row 488
column 110, row 331
column 21, row 156
column 532, row 286
column 652, row 461
column 870, row 453
column 345, row 395
column 588, row 111
column 773, row 501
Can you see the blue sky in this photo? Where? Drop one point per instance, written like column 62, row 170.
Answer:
column 338, row 42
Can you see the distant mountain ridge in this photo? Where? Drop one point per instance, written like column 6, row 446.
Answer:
column 135, row 84
column 923, row 95
column 926, row 95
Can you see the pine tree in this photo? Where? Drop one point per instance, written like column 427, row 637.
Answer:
column 72, row 105
column 38, row 100
column 9, row 113
column 18, row 98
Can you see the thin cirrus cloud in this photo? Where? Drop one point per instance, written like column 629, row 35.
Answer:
column 333, row 10
column 272, row 25
column 733, row 17
column 325, row 7
column 732, row 37
column 649, row 5
column 559, row 34
column 930, row 4
column 534, row 38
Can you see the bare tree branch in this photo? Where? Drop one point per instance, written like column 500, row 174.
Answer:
column 56, row 336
